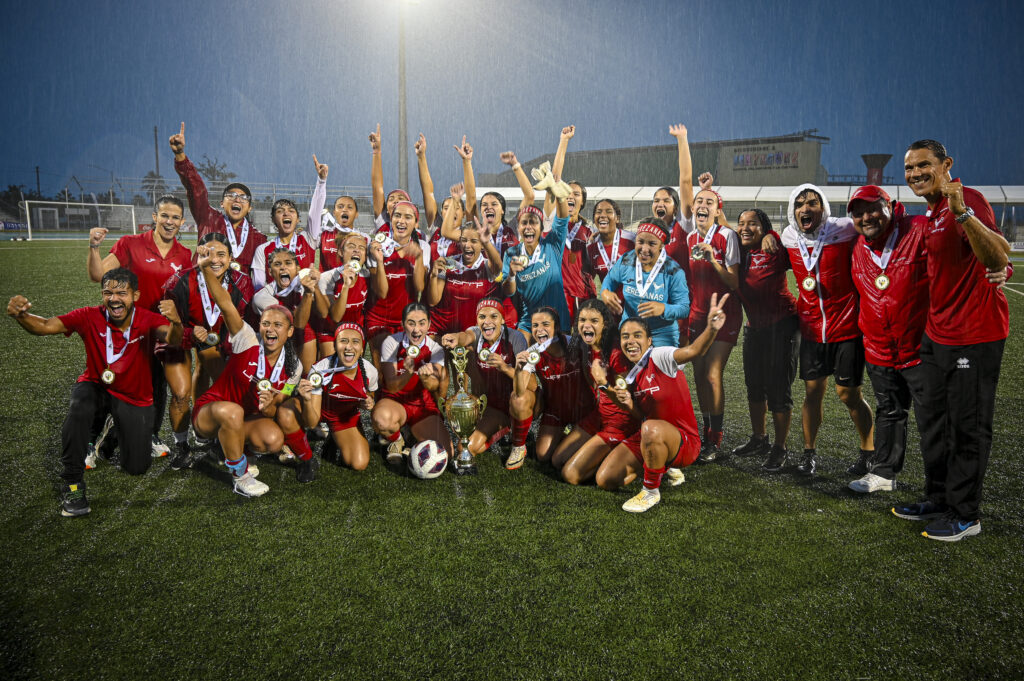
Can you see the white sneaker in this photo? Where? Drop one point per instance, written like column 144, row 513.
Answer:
column 286, row 456
column 159, row 448
column 516, row 458
column 643, row 501
column 674, row 477
column 872, row 483
column 395, row 453
column 248, row 486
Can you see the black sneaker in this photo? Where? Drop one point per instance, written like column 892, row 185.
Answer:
column 808, row 464
column 951, row 527
column 709, row 453
column 776, row 459
column 861, row 467
column 182, row 456
column 921, row 510
column 72, row 500
column 755, row 446
column 306, row 470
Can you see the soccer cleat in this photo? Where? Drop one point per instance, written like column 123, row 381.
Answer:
column 306, row 471
column 872, row 483
column 709, row 454
column 394, row 453
column 72, row 500
column 755, row 446
column 861, row 467
column 92, row 458
column 776, row 459
column 808, row 463
column 182, row 457
column 951, row 527
column 674, row 477
column 516, row 458
column 286, row 456
column 248, row 486
column 921, row 510
column 159, row 449
column 643, row 501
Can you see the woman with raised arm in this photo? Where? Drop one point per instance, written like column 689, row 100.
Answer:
column 444, row 241
column 494, row 212
column 346, row 289
column 397, row 275
column 458, row 283
column 533, row 268
column 154, row 257
column 204, row 329
column 655, row 391
column 382, row 207
column 412, row 366
column 714, row 254
column 251, row 405
column 231, row 220
column 674, row 207
column 344, row 385
column 545, row 367
column 495, row 349
column 610, row 242
column 651, row 284
column 298, row 294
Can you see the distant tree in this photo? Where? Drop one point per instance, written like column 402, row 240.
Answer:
column 214, row 170
column 154, row 185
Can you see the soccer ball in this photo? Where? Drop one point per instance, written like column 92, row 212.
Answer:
column 427, row 460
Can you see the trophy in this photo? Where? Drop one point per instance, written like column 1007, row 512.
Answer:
column 463, row 411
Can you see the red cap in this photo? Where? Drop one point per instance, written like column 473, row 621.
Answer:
column 869, row 193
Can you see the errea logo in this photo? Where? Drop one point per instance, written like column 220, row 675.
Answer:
column 963, row 363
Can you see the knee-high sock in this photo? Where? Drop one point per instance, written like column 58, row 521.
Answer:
column 299, row 445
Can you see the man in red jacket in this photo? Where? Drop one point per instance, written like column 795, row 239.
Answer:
column 820, row 248
column 962, row 346
column 231, row 220
column 890, row 273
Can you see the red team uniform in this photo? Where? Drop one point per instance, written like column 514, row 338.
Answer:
column 601, row 257
column 138, row 253
column 577, row 273
column 385, row 314
column 609, row 421
column 184, row 289
column 660, row 391
column 302, row 245
column 566, row 395
column 704, row 282
column 342, row 396
column 331, row 284
column 417, row 400
column 464, row 287
column 487, row 380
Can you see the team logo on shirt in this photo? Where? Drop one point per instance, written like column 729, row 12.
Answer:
column 176, row 267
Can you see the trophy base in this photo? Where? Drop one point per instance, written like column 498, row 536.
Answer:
column 465, row 470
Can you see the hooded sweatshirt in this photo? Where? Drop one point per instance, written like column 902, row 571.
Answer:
column 821, row 259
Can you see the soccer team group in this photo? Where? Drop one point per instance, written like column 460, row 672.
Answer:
column 581, row 325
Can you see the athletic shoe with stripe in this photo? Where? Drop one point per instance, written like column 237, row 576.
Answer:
column 72, row 500
column 394, row 454
column 92, row 458
column 921, row 510
column 643, row 501
column 159, row 449
column 248, row 486
column 516, row 458
column 872, row 483
column 951, row 527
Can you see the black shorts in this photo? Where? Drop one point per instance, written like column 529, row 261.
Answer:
column 844, row 360
column 769, row 363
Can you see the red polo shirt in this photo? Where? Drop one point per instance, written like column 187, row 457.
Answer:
column 763, row 289
column 138, row 252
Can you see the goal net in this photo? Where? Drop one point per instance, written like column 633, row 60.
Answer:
column 67, row 220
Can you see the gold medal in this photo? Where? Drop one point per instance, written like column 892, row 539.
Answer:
column 881, row 282
column 354, row 265
column 107, row 376
column 380, row 237
column 316, row 380
column 808, row 283
column 484, row 354
column 533, row 357
column 264, row 385
column 521, row 260
column 620, row 383
column 235, row 266
column 413, row 351
column 212, row 338
column 697, row 253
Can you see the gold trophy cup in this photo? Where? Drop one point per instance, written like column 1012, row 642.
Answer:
column 463, row 410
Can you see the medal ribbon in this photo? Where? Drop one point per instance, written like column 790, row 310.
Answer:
column 460, row 267
column 237, row 248
column 610, row 260
column 261, row 370
column 210, row 309
column 335, row 369
column 291, row 245
column 572, row 234
column 811, row 260
column 640, row 284
column 111, row 355
column 883, row 260
column 639, row 366
column 480, row 344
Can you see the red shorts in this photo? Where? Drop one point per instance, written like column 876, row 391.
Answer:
column 417, row 411
column 377, row 327
column 729, row 333
column 342, row 421
column 610, row 433
column 686, row 455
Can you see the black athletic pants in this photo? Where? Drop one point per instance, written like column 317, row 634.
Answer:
column 955, row 420
column 133, row 426
column 895, row 391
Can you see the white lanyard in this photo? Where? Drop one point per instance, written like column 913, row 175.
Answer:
column 811, row 261
column 460, row 267
column 291, row 245
column 261, row 370
column 236, row 248
column 883, row 260
column 610, row 260
column 480, row 344
column 295, row 283
column 537, row 252
column 572, row 234
column 111, row 355
column 499, row 239
column 639, row 366
column 329, row 224
column 210, row 309
column 335, row 369
column 641, row 285
column 709, row 236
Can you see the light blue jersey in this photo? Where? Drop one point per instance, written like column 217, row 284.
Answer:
column 540, row 283
column 668, row 287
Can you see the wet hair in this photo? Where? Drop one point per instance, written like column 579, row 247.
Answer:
column 936, row 148
column 171, row 199
column 291, row 359
column 281, row 249
column 282, row 202
column 578, row 349
column 236, row 185
column 674, row 195
column 762, row 217
column 413, row 307
column 821, row 199
column 615, row 207
column 215, row 236
column 583, row 190
column 350, row 198
column 121, row 275
column 638, row 320
column 501, row 202
column 551, row 312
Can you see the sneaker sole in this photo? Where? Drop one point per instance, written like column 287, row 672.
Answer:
column 75, row 514
column 969, row 532
column 247, row 495
column 515, row 466
column 639, row 509
column 870, row 490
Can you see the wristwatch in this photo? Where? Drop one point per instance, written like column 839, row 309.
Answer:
column 965, row 216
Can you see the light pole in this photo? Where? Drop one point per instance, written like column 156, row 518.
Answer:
column 403, row 135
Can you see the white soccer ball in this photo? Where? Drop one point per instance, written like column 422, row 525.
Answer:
column 427, row 460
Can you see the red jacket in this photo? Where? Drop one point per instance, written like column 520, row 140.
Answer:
column 892, row 318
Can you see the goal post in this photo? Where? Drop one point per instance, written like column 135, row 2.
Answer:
column 72, row 220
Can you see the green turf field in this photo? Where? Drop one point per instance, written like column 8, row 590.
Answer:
column 508, row 575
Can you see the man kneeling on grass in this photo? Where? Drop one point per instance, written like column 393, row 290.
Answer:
column 119, row 340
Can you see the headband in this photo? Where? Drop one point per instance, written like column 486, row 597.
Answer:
column 283, row 310
column 653, row 229
column 408, row 203
column 402, row 192
column 349, row 326
column 491, row 302
column 534, row 210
